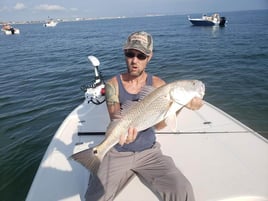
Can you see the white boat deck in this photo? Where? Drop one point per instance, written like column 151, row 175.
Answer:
column 223, row 159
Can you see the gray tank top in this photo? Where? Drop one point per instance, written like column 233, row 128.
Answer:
column 146, row 138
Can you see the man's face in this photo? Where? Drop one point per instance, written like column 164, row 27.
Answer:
column 136, row 62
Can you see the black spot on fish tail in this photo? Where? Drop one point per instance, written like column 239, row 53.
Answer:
column 88, row 159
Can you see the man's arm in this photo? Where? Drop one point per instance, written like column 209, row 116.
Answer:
column 112, row 98
column 113, row 105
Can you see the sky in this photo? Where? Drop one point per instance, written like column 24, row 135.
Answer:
column 34, row 10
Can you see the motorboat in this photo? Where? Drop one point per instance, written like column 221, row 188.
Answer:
column 51, row 23
column 213, row 20
column 9, row 30
column 223, row 159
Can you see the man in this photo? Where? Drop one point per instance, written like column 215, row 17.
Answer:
column 137, row 153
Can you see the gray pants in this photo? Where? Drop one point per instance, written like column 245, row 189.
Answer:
column 156, row 170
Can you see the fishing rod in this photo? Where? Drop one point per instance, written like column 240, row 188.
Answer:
column 210, row 132
column 200, row 132
column 182, row 132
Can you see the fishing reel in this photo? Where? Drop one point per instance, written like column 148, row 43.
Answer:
column 95, row 91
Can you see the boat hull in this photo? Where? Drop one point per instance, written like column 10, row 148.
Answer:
column 11, row 32
column 214, row 20
column 222, row 158
column 50, row 24
column 197, row 22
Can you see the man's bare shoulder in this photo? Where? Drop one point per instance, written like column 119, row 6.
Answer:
column 112, row 81
column 158, row 82
column 112, row 86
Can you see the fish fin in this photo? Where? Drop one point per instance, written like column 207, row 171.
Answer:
column 171, row 117
column 171, row 122
column 147, row 89
column 89, row 159
column 126, row 107
column 129, row 104
column 174, row 107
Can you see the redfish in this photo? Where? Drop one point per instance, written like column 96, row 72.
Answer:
column 160, row 104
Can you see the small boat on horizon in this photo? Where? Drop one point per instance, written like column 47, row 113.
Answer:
column 51, row 23
column 9, row 30
column 213, row 20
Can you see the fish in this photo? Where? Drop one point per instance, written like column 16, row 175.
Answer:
column 160, row 104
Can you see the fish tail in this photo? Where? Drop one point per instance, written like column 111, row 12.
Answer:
column 89, row 159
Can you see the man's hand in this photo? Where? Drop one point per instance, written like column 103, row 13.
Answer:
column 195, row 104
column 130, row 137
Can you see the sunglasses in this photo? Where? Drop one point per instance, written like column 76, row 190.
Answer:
column 140, row 56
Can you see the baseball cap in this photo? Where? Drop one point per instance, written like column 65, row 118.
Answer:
column 141, row 41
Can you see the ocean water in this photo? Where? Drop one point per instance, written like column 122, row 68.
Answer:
column 42, row 69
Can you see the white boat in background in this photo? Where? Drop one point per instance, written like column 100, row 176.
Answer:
column 223, row 159
column 214, row 20
column 51, row 23
column 9, row 30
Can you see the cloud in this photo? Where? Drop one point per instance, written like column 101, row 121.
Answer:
column 19, row 6
column 74, row 9
column 47, row 7
column 5, row 8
